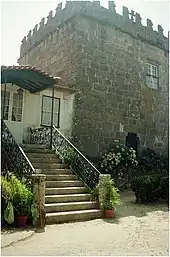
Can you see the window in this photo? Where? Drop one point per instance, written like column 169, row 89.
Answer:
column 152, row 77
column 46, row 111
column 17, row 106
column 6, row 105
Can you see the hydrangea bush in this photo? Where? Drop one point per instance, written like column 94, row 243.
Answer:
column 118, row 155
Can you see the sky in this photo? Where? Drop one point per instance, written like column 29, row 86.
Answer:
column 18, row 17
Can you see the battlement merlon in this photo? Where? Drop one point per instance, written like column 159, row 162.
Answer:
column 129, row 22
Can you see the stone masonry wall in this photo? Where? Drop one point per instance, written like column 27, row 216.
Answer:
column 112, row 77
column 108, row 68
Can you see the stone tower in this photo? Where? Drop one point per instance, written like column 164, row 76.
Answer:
column 118, row 67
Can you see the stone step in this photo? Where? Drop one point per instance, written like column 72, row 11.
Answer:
column 34, row 146
column 43, row 155
column 67, row 198
column 57, row 171
column 72, row 206
column 67, row 183
column 44, row 160
column 65, row 190
column 34, row 150
column 60, row 177
column 60, row 217
column 50, row 165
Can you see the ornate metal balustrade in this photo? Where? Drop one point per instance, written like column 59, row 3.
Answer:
column 84, row 169
column 13, row 157
column 40, row 135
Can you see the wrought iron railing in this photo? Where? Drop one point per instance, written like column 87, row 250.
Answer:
column 13, row 158
column 84, row 169
column 40, row 135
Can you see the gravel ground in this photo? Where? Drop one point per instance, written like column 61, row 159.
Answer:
column 141, row 230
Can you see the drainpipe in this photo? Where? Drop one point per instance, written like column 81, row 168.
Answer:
column 52, row 111
column 4, row 99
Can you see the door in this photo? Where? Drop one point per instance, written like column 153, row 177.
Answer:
column 132, row 140
column 13, row 111
column 46, row 111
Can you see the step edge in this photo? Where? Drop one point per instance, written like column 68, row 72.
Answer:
column 65, row 188
column 70, row 203
column 68, row 195
column 73, row 212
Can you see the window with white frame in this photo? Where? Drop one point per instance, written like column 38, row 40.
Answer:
column 46, row 111
column 17, row 106
column 152, row 76
column 5, row 106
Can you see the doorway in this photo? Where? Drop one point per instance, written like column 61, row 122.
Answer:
column 13, row 111
column 132, row 140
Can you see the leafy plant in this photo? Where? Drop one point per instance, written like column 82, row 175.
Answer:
column 6, row 190
column 23, row 197
column 108, row 205
column 151, row 160
column 164, row 184
column 18, row 193
column 68, row 155
column 150, row 188
column 110, row 195
column 94, row 193
column 6, row 195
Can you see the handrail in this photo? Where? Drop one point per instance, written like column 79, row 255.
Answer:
column 30, row 164
column 83, row 168
column 76, row 149
column 14, row 159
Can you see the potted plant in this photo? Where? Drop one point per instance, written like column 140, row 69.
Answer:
column 23, row 206
column 22, row 201
column 108, row 208
column 7, row 210
column 22, row 213
column 111, row 198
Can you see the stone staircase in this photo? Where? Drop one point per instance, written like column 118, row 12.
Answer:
column 66, row 197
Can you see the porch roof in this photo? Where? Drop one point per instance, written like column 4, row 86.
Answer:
column 28, row 77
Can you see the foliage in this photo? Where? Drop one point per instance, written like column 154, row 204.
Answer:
column 151, row 160
column 16, row 192
column 94, row 193
column 110, row 195
column 150, row 188
column 68, row 155
column 6, row 190
column 164, row 190
column 118, row 155
column 6, row 194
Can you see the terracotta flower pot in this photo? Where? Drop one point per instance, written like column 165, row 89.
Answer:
column 21, row 221
column 109, row 214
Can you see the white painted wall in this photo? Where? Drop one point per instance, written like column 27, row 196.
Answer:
column 32, row 104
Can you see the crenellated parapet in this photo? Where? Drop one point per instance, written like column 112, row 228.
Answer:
column 129, row 22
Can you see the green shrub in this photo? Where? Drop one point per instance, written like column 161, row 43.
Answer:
column 164, row 183
column 6, row 194
column 150, row 188
column 18, row 193
column 151, row 160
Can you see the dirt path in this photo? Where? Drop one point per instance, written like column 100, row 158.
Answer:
column 137, row 230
